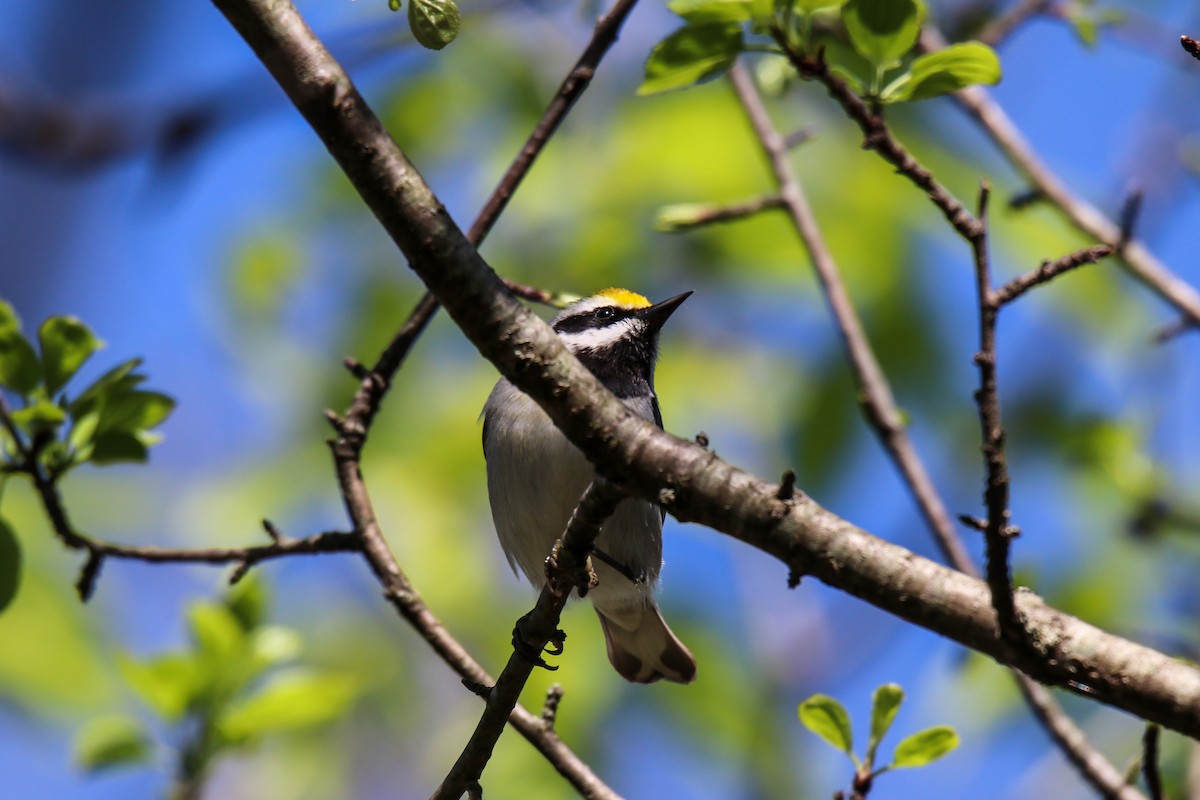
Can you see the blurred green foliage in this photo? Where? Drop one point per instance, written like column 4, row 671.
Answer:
column 223, row 694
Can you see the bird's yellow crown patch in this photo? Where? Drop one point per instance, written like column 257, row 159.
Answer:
column 624, row 297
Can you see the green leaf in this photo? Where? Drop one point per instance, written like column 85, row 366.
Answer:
column 118, row 447
column 83, row 429
column 883, row 30
column 699, row 11
column 434, row 23
column 927, row 746
column 9, row 321
column 168, row 683
column 394, row 5
column 273, row 645
column 294, row 699
column 809, row 6
column 216, row 632
column 66, row 343
column 826, row 717
column 118, row 376
column 19, row 366
column 885, row 702
column 130, row 412
column 691, row 54
column 42, row 415
column 111, row 741
column 247, row 601
column 946, row 71
column 10, row 564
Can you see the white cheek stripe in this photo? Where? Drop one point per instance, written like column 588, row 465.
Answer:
column 598, row 338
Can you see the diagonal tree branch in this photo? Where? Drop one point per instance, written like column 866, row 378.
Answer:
column 375, row 384
column 567, row 568
column 693, row 483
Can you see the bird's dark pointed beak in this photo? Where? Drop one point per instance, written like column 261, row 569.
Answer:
column 657, row 314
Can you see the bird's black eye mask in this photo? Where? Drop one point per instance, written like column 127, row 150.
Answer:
column 600, row 317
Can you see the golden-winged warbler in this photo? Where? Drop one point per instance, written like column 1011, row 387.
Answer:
column 535, row 479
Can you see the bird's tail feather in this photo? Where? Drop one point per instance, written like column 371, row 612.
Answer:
column 648, row 650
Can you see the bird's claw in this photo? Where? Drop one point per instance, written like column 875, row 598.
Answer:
column 522, row 646
column 587, row 582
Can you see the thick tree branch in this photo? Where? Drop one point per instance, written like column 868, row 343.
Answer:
column 692, row 482
column 375, row 384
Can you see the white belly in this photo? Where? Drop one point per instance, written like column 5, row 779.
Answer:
column 533, row 496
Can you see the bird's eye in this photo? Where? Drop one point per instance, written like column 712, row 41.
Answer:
column 604, row 313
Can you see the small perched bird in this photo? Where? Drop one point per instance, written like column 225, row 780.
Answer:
column 535, row 478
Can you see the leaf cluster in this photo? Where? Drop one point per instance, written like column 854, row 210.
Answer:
column 880, row 32
column 827, row 718
column 233, row 685
column 108, row 421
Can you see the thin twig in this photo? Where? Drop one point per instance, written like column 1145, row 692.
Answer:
column 1150, row 762
column 998, row 531
column 878, row 401
column 569, row 569
column 702, row 214
column 998, row 30
column 1049, row 270
column 1135, row 257
column 554, row 696
column 874, row 392
column 878, row 136
column 1097, row 770
column 1190, row 45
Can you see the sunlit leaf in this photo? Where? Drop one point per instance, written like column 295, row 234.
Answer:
column 924, row 747
column 66, row 343
column 809, row 6
column 434, row 23
column 42, row 415
column 216, row 632
column 946, row 71
column 111, row 741
column 273, row 645
column 20, row 370
column 9, row 321
column 247, row 601
column 118, row 377
column 826, row 717
column 294, row 699
column 885, row 702
column 10, row 564
column 697, row 11
column 883, row 30
column 167, row 683
column 691, row 54
column 129, row 412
